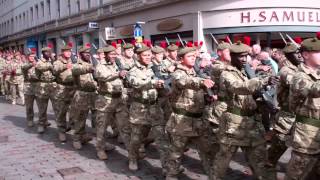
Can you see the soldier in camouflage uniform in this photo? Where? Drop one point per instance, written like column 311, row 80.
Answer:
column 30, row 82
column 144, row 110
column 186, row 123
column 6, row 76
column 16, row 79
column 45, row 87
column 285, row 117
column 110, row 105
column 305, row 88
column 238, row 127
column 2, row 65
column 62, row 69
column 84, row 97
column 172, row 51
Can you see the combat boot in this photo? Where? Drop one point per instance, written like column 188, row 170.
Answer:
column 13, row 102
column 86, row 138
column 109, row 147
column 133, row 165
column 30, row 123
column 77, row 145
column 102, row 155
column 120, row 141
column 40, row 129
column 62, row 137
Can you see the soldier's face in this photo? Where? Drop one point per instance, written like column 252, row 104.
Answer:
column 189, row 59
column 145, row 57
column 312, row 58
column 101, row 56
column 225, row 55
column 46, row 54
column 239, row 60
column 31, row 58
column 173, row 54
column 118, row 50
column 67, row 54
column 85, row 56
column 112, row 56
column 295, row 58
column 159, row 57
column 129, row 53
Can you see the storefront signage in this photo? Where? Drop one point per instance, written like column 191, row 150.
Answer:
column 110, row 33
column 169, row 25
column 262, row 17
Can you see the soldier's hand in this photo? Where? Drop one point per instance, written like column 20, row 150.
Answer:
column 159, row 84
column 69, row 65
column 273, row 80
column 171, row 69
column 208, row 83
column 122, row 74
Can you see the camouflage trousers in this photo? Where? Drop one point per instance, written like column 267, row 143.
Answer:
column 2, row 89
column 255, row 155
column 63, row 98
column 302, row 166
column 7, row 87
column 45, row 92
column 29, row 101
column 111, row 110
column 82, row 102
column 143, row 119
column 17, row 91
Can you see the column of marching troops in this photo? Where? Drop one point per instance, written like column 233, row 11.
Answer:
column 182, row 99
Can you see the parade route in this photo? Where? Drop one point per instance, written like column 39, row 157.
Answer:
column 25, row 155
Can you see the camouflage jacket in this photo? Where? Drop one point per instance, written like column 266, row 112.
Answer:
column 2, row 64
column 107, row 75
column 142, row 79
column 187, row 95
column 83, row 78
column 238, row 126
column 306, row 90
column 126, row 63
column 16, row 72
column 29, row 72
column 62, row 73
column 286, row 74
column 44, row 70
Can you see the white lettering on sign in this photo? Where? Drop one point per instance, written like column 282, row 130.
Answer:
column 261, row 17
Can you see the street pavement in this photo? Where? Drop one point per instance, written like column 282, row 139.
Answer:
column 25, row 155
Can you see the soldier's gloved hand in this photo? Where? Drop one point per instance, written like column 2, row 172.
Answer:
column 273, row 80
column 208, row 83
column 159, row 84
column 122, row 74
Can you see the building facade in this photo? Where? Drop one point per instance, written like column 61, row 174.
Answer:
column 37, row 23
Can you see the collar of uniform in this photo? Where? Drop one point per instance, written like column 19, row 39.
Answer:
column 290, row 65
column 64, row 60
column 309, row 71
column 189, row 71
column 140, row 66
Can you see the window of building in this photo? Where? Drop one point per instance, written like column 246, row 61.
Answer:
column 49, row 8
column 78, row 5
column 42, row 8
column 58, row 7
column 89, row 4
column 31, row 13
column 69, row 7
column 37, row 11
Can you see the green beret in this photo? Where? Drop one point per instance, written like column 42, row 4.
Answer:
column 223, row 45
column 45, row 49
column 84, row 49
column 186, row 50
column 142, row 49
column 290, row 48
column 100, row 50
column 65, row 48
column 157, row 50
column 172, row 47
column 311, row 44
column 128, row 46
column 108, row 49
column 239, row 48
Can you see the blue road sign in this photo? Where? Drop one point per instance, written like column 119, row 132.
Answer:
column 138, row 30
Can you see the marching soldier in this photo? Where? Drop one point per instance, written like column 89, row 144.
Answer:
column 238, row 127
column 16, row 79
column 172, row 53
column 45, row 87
column 285, row 117
column 6, row 77
column 62, row 69
column 2, row 65
column 110, row 105
column 144, row 109
column 84, row 97
column 305, row 90
column 30, row 85
column 186, row 123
